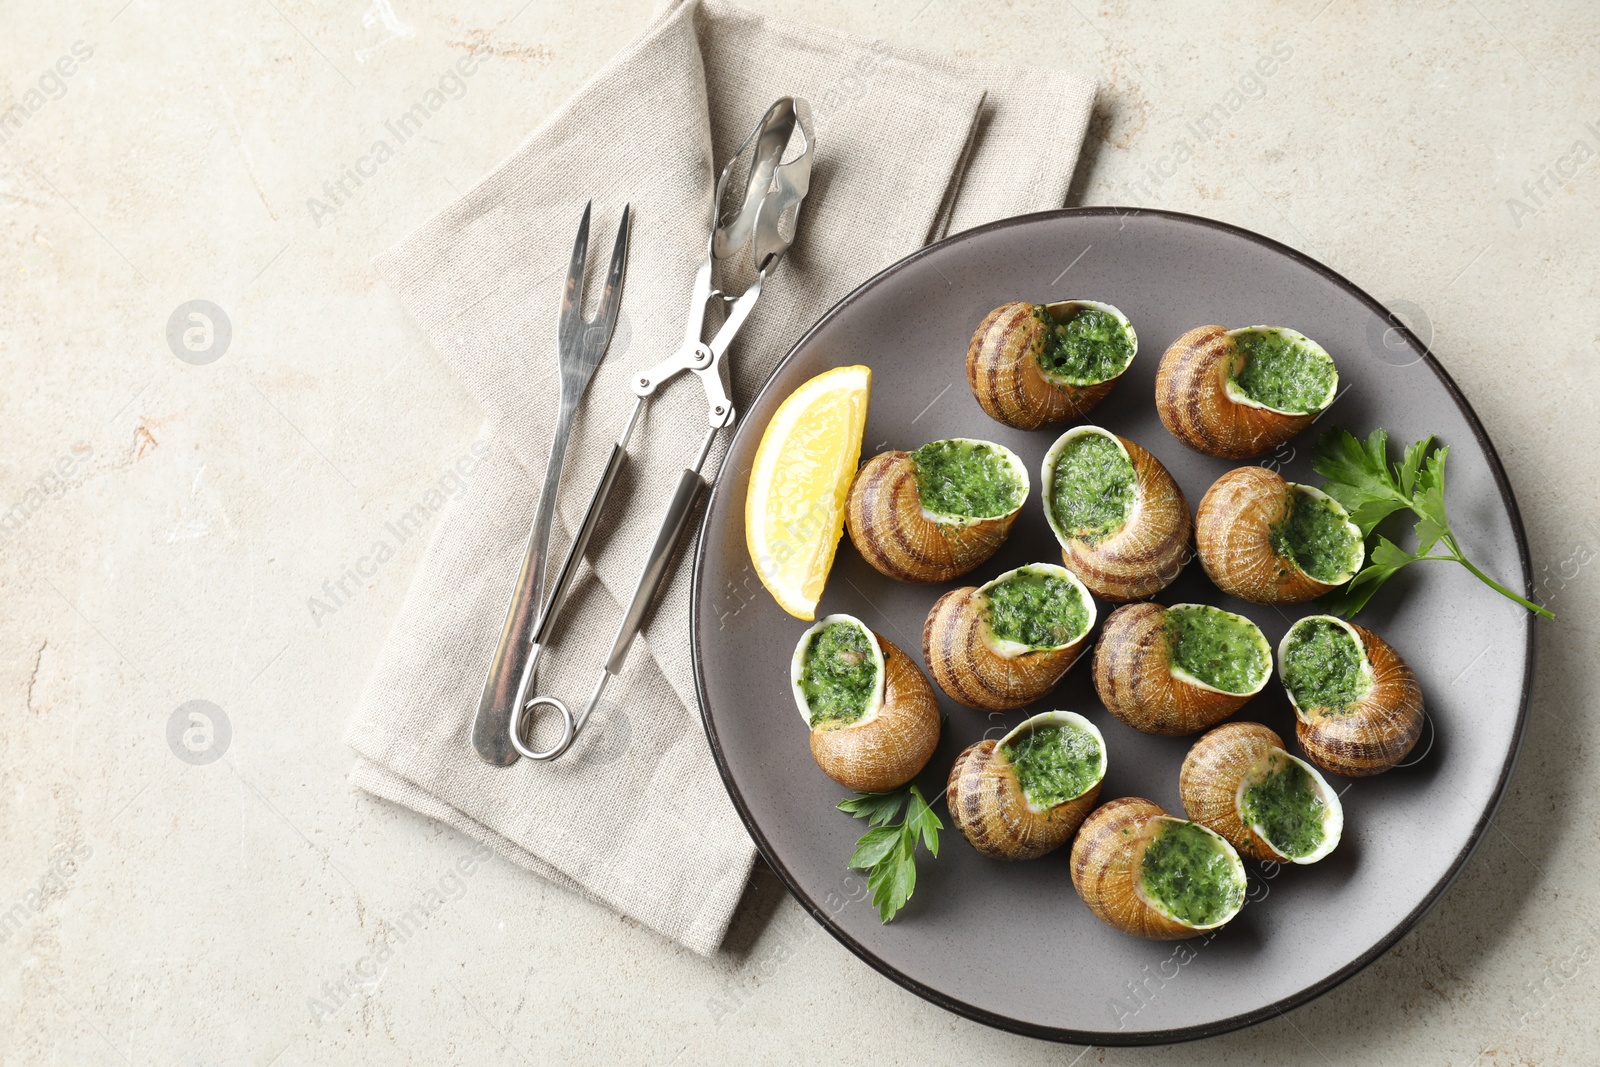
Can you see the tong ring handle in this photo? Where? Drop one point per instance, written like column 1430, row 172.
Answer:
column 522, row 728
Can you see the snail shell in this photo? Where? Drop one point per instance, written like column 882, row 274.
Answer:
column 1236, row 536
column 1139, row 682
column 1379, row 728
column 1007, row 378
column 988, row 806
column 1201, row 404
column 904, row 540
column 1107, row 868
column 1146, row 554
column 984, row 671
column 1219, row 769
column 893, row 739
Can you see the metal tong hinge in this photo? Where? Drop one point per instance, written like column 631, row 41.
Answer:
column 702, row 360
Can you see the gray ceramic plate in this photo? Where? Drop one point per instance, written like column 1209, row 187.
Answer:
column 1010, row 944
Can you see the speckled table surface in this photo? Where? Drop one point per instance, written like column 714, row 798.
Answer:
column 167, row 519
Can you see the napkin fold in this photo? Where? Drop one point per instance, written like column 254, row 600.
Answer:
column 908, row 148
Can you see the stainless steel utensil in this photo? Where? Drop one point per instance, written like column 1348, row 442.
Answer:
column 580, row 345
column 765, row 222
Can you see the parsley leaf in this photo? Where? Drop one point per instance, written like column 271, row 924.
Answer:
column 877, row 808
column 874, row 845
column 1429, row 503
column 1412, row 463
column 1361, row 478
column 887, row 851
column 921, row 818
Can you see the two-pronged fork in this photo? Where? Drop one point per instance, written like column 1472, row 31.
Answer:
column 580, row 346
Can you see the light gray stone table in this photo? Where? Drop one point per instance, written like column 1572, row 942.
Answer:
column 169, row 523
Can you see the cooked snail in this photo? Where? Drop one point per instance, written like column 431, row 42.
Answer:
column 1025, row 794
column 1121, row 520
column 873, row 718
column 936, row 513
column 1180, row 669
column 1241, row 393
column 1357, row 706
column 1149, row 874
column 1263, row 539
column 1271, row 806
column 1008, row 642
column 1033, row 364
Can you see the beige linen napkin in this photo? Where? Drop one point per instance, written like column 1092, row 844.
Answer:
column 908, row 148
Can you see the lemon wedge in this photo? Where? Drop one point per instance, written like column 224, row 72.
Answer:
column 794, row 510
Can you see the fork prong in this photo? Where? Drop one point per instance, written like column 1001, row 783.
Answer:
column 605, row 317
column 571, row 322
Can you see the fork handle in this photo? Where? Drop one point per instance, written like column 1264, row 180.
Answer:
column 509, row 670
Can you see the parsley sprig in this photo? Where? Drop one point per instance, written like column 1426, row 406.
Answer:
column 887, row 851
column 1361, row 478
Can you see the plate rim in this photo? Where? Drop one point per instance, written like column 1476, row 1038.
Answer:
column 1244, row 1019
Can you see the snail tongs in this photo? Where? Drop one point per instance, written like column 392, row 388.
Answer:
column 762, row 218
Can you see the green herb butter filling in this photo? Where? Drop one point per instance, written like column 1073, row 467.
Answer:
column 1283, row 371
column 1091, row 346
column 1321, row 665
column 967, row 479
column 1092, row 488
column 1287, row 809
column 1055, row 762
column 1221, row 649
column 1318, row 536
column 839, row 674
column 1036, row 608
column 1193, row 874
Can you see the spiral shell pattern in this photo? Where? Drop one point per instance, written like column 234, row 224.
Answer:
column 886, row 750
column 1214, row 774
column 889, row 528
column 1233, row 534
column 1375, row 734
column 965, row 662
column 1147, row 554
column 1209, row 782
column 1006, row 379
column 1107, row 859
column 1193, row 402
column 1133, row 676
column 989, row 808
